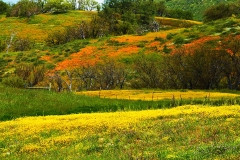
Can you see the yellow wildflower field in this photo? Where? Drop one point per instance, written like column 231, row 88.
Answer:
column 138, row 134
column 155, row 94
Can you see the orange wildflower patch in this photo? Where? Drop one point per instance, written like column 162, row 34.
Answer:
column 154, row 44
column 124, row 51
column 129, row 39
column 190, row 47
column 46, row 58
column 203, row 40
column 87, row 56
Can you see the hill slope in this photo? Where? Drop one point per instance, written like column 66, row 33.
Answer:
column 197, row 7
column 124, row 50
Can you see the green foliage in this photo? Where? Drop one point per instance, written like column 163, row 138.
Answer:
column 148, row 72
column 87, row 5
column 96, row 28
column 16, row 103
column 170, row 36
column 22, row 44
column 166, row 49
column 14, row 81
column 2, row 45
column 125, row 28
column 179, row 14
column 162, row 40
column 160, row 8
column 3, row 7
column 24, row 8
column 131, row 13
column 196, row 7
column 57, row 6
column 30, row 74
column 217, row 12
column 179, row 40
column 57, row 37
column 221, row 11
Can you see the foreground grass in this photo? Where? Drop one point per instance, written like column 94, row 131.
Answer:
column 186, row 132
column 16, row 103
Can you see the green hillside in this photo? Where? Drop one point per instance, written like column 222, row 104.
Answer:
column 50, row 48
column 197, row 7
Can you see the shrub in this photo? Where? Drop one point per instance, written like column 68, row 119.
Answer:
column 56, row 38
column 160, row 39
column 125, row 28
column 22, row 44
column 14, row 81
column 170, row 36
column 57, row 6
column 24, row 8
column 179, row 40
column 166, row 49
column 179, row 14
column 221, row 11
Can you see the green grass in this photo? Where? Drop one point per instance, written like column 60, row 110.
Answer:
column 16, row 103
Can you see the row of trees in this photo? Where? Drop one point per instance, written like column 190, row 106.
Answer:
column 131, row 11
column 100, row 76
column 28, row 8
column 212, row 64
column 95, row 28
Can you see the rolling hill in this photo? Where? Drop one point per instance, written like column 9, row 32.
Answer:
column 197, row 7
column 123, row 49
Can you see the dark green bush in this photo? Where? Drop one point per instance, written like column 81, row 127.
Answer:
column 14, row 81
column 179, row 40
column 221, row 11
column 170, row 36
column 179, row 14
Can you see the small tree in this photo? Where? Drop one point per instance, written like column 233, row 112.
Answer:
column 3, row 7
column 160, row 8
column 57, row 6
column 24, row 8
column 217, row 12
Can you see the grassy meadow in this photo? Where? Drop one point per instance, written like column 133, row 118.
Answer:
column 186, row 132
column 113, row 124
column 50, row 125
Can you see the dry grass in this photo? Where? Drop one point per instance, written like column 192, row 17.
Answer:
column 155, row 94
column 177, row 22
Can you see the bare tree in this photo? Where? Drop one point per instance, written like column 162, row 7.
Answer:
column 10, row 41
